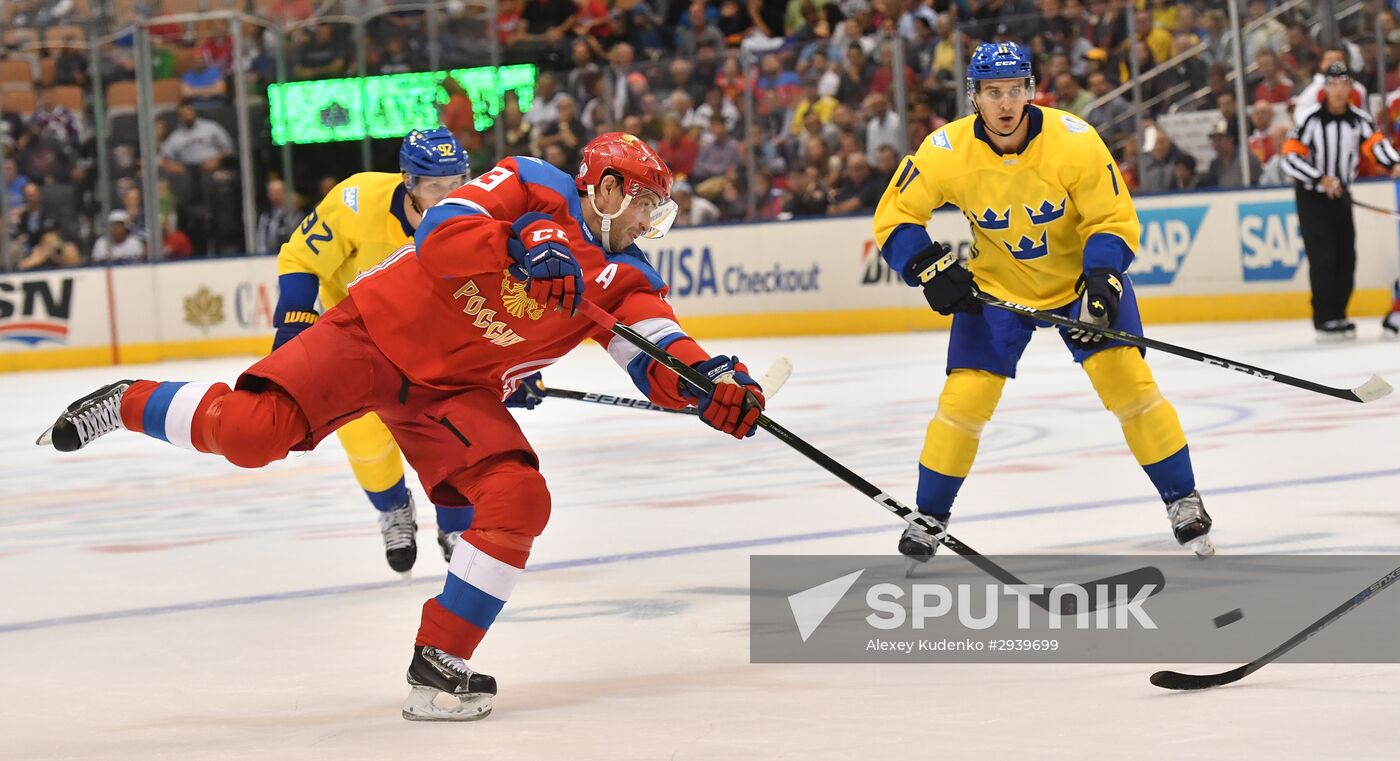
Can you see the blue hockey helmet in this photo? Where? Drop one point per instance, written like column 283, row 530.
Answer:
column 998, row 60
column 432, row 153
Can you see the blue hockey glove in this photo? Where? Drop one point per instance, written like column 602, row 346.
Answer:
column 528, row 394
column 543, row 261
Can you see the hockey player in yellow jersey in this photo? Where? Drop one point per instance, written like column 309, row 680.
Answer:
column 1053, row 228
column 360, row 223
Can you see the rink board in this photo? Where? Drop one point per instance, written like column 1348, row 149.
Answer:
column 1202, row 257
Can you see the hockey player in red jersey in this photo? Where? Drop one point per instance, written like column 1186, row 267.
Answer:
column 432, row 339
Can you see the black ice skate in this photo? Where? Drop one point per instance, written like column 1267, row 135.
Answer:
column 399, row 528
column 918, row 545
column 432, row 673
column 94, row 415
column 1336, row 331
column 446, row 541
column 1390, row 327
column 1191, row 524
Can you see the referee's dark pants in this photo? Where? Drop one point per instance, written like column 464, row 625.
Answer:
column 1329, row 235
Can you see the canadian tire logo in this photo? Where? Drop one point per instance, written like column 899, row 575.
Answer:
column 35, row 310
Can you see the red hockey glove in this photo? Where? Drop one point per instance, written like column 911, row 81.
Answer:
column 737, row 400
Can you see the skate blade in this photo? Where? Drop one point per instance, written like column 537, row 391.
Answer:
column 46, row 438
column 1202, row 546
column 419, row 706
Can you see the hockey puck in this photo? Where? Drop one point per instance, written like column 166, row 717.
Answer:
column 1225, row 619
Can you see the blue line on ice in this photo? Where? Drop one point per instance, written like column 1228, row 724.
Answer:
column 116, row 615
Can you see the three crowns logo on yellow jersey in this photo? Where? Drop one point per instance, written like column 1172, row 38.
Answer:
column 991, row 220
column 514, row 298
column 1027, row 248
column 1048, row 212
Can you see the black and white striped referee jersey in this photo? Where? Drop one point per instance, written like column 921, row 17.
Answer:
column 1325, row 144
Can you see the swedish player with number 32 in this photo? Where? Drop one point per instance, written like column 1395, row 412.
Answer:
column 361, row 221
column 1053, row 228
column 433, row 339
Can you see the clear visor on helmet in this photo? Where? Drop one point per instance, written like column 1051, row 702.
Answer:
column 660, row 214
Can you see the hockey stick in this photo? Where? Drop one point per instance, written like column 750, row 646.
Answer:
column 773, row 380
column 1374, row 388
column 1393, row 214
column 1134, row 580
column 1175, row 680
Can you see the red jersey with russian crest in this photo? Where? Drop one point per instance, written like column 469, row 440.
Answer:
column 446, row 310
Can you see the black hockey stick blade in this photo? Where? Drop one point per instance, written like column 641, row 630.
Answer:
column 697, row 380
column 1120, row 587
column 1175, row 680
column 1374, row 388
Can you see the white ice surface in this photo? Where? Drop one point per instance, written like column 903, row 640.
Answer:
column 163, row 604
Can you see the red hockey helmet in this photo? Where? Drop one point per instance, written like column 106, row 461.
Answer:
column 640, row 169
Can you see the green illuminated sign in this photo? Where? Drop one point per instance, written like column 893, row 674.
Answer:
column 387, row 106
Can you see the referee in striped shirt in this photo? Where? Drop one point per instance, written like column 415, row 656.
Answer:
column 1321, row 155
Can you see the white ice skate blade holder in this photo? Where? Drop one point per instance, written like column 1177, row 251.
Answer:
column 420, row 706
column 1373, row 389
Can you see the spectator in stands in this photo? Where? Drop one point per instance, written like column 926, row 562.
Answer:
column 547, row 23
column 1273, row 86
column 1225, row 170
column 1190, row 70
column 41, row 156
column 1070, row 96
column 32, row 223
column 855, row 76
column 806, row 196
column 883, row 127
column 882, row 78
column 1261, row 143
column 518, row 133
column 860, row 189
column 135, row 211
column 14, row 184
column 677, row 148
column 1184, row 175
column 320, row 54
column 1158, row 161
column 510, row 27
column 1268, row 34
column 716, row 104
column 203, row 85
column 886, row 163
column 692, row 210
column 215, row 45
column 193, row 157
column 325, row 185
column 56, row 121
column 1272, row 174
column 395, row 58
column 49, row 250
column 566, row 131
column 585, row 70
column 543, row 111
column 1228, row 108
column 721, row 152
column 276, row 224
column 196, row 145
column 287, row 12
column 459, row 115
column 118, row 246
column 1158, row 40
column 1109, row 118
column 698, row 29
column 1313, row 93
column 70, row 66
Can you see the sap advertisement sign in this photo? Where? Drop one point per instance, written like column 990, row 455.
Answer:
column 1271, row 245
column 1167, row 237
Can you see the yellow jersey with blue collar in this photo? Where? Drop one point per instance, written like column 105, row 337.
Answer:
column 1039, row 217
column 355, row 227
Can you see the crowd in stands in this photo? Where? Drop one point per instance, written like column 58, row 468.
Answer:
column 764, row 109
